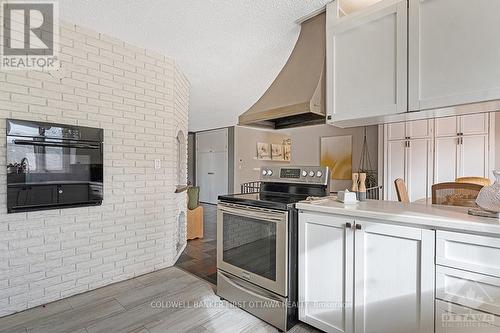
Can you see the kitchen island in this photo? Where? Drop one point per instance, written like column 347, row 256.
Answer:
column 382, row 266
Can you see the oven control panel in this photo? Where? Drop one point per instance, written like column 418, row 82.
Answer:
column 299, row 174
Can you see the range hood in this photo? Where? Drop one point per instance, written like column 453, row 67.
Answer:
column 297, row 95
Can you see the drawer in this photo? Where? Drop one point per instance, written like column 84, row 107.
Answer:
column 480, row 254
column 452, row 318
column 472, row 290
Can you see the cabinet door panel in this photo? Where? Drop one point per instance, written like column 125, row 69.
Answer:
column 473, row 160
column 394, row 273
column 395, row 166
column 453, row 59
column 447, row 126
column 474, row 124
column 419, row 129
column 419, row 168
column 366, row 61
column 445, row 159
column 396, row 131
column 325, row 269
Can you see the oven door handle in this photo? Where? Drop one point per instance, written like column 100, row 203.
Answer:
column 54, row 144
column 254, row 213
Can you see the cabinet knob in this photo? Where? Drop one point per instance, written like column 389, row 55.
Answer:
column 358, row 226
column 348, row 225
column 60, row 191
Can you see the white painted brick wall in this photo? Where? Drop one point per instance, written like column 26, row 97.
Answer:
column 140, row 99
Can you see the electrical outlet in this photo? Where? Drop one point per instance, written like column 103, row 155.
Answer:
column 157, row 164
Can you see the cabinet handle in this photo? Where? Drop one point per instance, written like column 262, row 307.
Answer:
column 348, row 226
column 358, row 226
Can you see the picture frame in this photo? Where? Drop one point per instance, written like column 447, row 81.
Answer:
column 263, row 151
column 277, row 152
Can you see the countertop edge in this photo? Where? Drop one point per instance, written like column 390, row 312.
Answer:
column 427, row 222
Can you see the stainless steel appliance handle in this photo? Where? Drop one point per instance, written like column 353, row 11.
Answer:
column 256, row 213
column 54, row 144
column 247, row 289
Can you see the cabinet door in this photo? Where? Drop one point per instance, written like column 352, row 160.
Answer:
column 325, row 272
column 394, row 274
column 396, row 160
column 367, row 61
column 474, row 124
column 473, row 157
column 419, row 129
column 447, row 126
column 419, row 168
column 445, row 159
column 453, row 56
column 396, row 131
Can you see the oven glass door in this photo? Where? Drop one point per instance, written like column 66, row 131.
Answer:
column 44, row 172
column 252, row 243
column 50, row 160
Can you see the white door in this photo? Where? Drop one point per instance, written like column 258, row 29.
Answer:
column 219, row 176
column 446, row 159
column 473, row 156
column 367, row 61
column 325, row 272
column 453, row 52
column 212, row 174
column 396, row 166
column 394, row 279
column 419, row 168
column 203, row 178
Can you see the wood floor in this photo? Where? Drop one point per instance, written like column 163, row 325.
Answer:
column 169, row 300
column 200, row 255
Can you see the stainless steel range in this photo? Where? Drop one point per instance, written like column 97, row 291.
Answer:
column 257, row 242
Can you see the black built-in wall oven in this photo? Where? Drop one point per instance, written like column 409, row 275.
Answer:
column 53, row 166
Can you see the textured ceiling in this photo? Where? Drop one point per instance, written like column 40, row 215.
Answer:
column 230, row 50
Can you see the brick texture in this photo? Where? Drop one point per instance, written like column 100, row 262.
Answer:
column 140, row 99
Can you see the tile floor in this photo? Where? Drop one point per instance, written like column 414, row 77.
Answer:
column 169, row 300
column 200, row 255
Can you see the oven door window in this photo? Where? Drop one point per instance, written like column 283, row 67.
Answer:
column 56, row 161
column 250, row 244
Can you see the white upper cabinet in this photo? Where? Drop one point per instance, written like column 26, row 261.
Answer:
column 453, row 52
column 367, row 61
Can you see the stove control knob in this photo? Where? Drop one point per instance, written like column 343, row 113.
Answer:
column 269, row 172
column 319, row 174
column 304, row 173
column 311, row 173
column 264, row 172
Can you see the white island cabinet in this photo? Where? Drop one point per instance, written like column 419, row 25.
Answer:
column 361, row 276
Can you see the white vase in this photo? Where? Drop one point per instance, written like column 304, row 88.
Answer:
column 489, row 196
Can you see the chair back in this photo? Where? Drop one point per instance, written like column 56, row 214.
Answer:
column 474, row 180
column 401, row 190
column 455, row 194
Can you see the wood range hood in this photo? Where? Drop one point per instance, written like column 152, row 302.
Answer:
column 297, row 95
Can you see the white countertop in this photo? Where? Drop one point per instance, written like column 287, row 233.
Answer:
column 412, row 214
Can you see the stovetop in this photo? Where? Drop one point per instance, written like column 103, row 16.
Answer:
column 272, row 200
